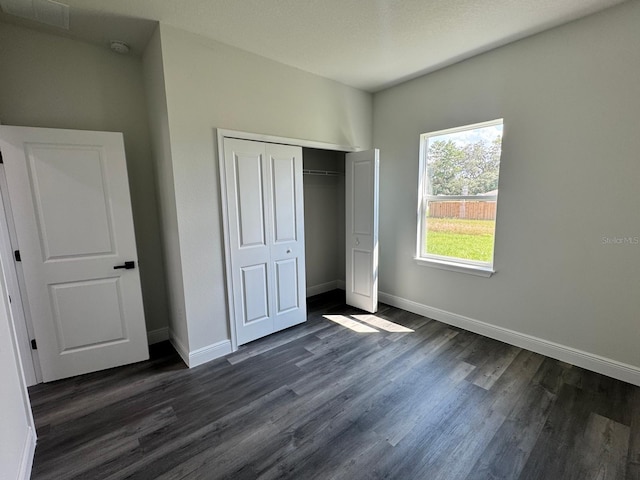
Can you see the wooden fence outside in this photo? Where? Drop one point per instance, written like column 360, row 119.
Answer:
column 467, row 209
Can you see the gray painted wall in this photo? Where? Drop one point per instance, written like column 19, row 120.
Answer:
column 570, row 99
column 51, row 81
column 210, row 85
column 158, row 116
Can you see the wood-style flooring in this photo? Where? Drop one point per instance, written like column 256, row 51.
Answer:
column 404, row 397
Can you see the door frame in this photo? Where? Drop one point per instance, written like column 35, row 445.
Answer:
column 20, row 317
column 220, row 135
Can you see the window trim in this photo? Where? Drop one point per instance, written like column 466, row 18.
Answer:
column 461, row 265
column 478, row 270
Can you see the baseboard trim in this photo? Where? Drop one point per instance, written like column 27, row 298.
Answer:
column 322, row 288
column 208, row 353
column 28, row 453
column 325, row 287
column 200, row 355
column 157, row 336
column 596, row 363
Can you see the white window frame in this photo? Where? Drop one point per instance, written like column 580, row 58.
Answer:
column 483, row 269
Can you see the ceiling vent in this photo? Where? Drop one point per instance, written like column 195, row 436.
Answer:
column 43, row 11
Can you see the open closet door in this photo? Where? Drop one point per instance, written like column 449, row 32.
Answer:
column 361, row 189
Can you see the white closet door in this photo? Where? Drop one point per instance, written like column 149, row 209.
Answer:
column 287, row 247
column 266, row 233
column 361, row 190
column 249, row 233
column 70, row 199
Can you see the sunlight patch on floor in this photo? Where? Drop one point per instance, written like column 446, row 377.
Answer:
column 351, row 324
column 367, row 323
column 381, row 323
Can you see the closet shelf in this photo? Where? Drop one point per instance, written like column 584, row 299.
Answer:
column 325, row 173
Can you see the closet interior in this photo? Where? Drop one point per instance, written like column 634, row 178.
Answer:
column 324, row 219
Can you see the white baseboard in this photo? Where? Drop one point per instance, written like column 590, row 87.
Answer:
column 208, row 353
column 325, row 287
column 606, row 366
column 201, row 355
column 157, row 336
column 27, row 456
column 322, row 288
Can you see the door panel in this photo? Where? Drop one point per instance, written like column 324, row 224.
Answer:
column 79, row 172
column 255, row 293
column 362, row 205
column 287, row 285
column 250, row 201
column 265, row 220
column 361, row 190
column 284, row 199
column 361, row 272
column 88, row 313
column 70, row 198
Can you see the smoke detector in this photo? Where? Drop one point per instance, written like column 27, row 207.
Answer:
column 119, row 47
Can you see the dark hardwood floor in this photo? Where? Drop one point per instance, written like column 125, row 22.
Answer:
column 321, row 401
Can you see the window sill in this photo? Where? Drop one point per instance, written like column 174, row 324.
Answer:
column 456, row 267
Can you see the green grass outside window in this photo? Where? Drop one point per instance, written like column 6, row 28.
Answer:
column 460, row 238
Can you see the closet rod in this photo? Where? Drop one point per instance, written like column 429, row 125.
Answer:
column 326, row 173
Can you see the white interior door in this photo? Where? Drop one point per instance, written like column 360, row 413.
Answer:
column 266, row 231
column 70, row 199
column 361, row 190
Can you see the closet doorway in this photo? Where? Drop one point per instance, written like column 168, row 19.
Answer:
column 324, row 219
column 262, row 191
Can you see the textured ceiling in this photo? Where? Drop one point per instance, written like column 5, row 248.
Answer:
column 369, row 44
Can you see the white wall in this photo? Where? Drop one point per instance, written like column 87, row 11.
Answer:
column 323, row 218
column 17, row 431
column 570, row 99
column 51, row 81
column 161, row 151
column 210, row 85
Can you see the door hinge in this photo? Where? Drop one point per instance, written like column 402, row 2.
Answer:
column 34, row 345
column 16, row 254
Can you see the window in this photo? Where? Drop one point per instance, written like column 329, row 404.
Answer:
column 459, row 172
